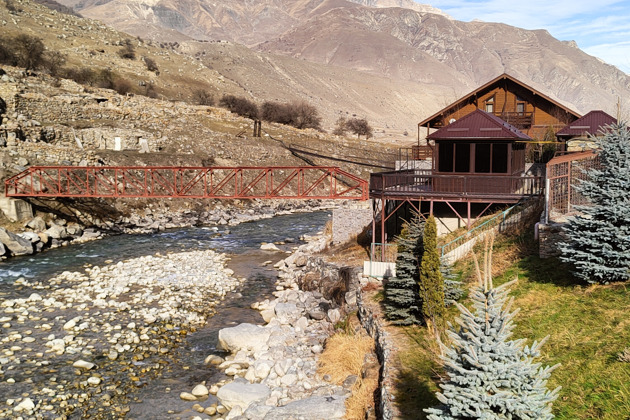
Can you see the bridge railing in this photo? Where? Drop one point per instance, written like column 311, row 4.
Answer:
column 307, row 182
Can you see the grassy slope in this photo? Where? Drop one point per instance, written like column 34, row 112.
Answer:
column 588, row 326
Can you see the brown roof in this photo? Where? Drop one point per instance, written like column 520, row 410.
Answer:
column 591, row 123
column 479, row 125
column 487, row 85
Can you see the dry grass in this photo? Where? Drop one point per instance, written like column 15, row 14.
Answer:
column 345, row 355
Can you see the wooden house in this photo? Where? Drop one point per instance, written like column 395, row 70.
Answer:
column 513, row 101
column 489, row 151
column 578, row 136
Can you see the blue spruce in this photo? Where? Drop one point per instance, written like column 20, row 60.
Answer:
column 491, row 377
column 598, row 240
column 402, row 300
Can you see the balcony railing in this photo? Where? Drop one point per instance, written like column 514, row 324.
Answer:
column 426, row 184
column 517, row 119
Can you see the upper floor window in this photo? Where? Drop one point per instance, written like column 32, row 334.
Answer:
column 490, row 105
column 520, row 108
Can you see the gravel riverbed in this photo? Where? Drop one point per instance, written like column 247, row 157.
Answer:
column 75, row 345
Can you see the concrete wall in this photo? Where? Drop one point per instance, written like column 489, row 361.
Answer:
column 16, row 210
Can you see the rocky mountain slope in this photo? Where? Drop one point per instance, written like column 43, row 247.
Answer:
column 397, row 40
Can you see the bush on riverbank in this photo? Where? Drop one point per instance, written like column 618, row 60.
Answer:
column 344, row 359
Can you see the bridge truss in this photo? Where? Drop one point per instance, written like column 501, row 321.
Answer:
column 287, row 182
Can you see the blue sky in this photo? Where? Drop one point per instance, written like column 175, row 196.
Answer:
column 600, row 27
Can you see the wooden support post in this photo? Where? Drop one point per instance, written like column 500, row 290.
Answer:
column 431, row 208
column 384, row 201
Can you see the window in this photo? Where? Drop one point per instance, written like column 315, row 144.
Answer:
column 482, row 157
column 499, row 158
column 446, row 157
column 491, row 158
column 454, row 157
column 520, row 108
column 490, row 105
column 462, row 157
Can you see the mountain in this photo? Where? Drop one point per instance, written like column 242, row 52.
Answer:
column 392, row 61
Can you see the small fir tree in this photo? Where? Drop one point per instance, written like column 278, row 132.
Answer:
column 431, row 282
column 402, row 302
column 489, row 376
column 598, row 240
column 452, row 288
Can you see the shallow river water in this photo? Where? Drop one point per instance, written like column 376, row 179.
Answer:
column 158, row 397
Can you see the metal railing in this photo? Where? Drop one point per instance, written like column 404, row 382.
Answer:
column 418, row 182
column 383, row 252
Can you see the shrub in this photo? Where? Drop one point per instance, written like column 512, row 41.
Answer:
column 203, row 97
column 122, row 86
column 83, row 75
column 296, row 114
column 240, row 106
column 151, row 65
column 340, row 127
column 54, row 62
column 29, row 51
column 360, row 127
column 127, row 51
column 7, row 56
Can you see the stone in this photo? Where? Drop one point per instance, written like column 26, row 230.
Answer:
column 243, row 336
column 317, row 314
column 213, row 360
column 57, row 232
column 82, row 364
column 15, row 244
column 269, row 247
column 334, row 316
column 94, row 380
column 37, row 224
column 242, row 393
column 313, row 408
column 200, row 391
column 262, row 368
column 287, row 313
column 25, row 405
column 187, row 396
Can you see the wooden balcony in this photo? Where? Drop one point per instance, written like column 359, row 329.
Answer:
column 424, row 185
column 517, row 119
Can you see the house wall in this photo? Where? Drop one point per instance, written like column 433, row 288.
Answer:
column 505, row 96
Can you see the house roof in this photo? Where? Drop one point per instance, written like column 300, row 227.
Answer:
column 479, row 125
column 591, row 123
column 492, row 82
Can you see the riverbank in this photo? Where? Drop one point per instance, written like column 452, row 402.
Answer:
column 271, row 370
column 50, row 230
column 127, row 318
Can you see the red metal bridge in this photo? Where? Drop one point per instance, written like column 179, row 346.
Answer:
column 296, row 182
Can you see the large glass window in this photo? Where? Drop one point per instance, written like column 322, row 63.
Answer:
column 446, row 156
column 499, row 158
column 482, row 157
column 462, row 157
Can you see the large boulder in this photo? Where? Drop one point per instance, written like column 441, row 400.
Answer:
column 16, row 244
column 37, row 224
column 287, row 313
column 242, row 393
column 313, row 408
column 57, row 232
column 243, row 336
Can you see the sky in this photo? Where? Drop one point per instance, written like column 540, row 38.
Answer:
column 600, row 27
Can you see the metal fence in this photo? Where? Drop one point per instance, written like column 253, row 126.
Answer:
column 383, row 252
column 564, row 173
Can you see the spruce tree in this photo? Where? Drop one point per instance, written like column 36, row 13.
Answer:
column 489, row 376
column 402, row 302
column 431, row 282
column 452, row 288
column 598, row 240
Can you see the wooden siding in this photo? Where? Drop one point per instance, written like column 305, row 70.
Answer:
column 506, row 94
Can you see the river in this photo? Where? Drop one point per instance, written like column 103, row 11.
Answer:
column 154, row 397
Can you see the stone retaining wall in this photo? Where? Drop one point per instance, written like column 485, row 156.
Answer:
column 549, row 235
column 348, row 223
column 383, row 346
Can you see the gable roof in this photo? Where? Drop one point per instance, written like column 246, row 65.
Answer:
column 591, row 123
column 479, row 125
column 475, row 92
